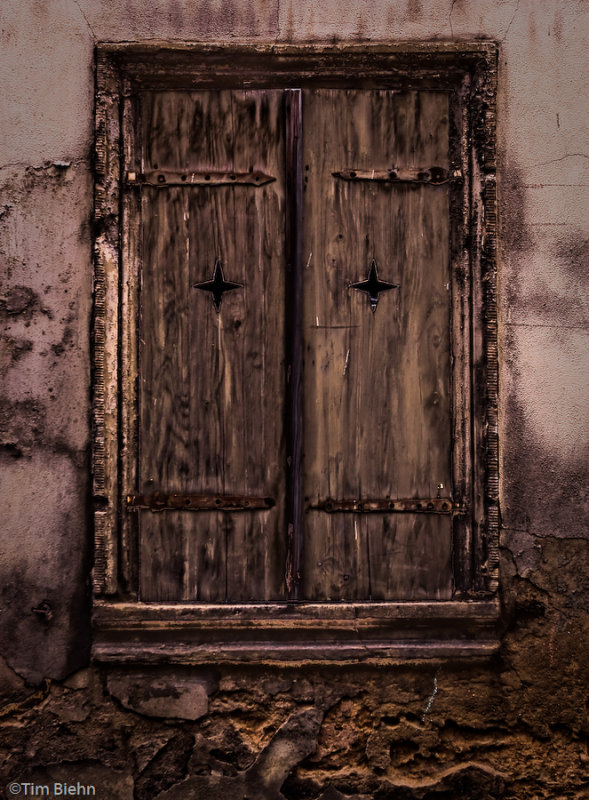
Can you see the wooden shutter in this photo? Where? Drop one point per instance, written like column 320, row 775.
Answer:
column 377, row 392
column 215, row 400
column 211, row 380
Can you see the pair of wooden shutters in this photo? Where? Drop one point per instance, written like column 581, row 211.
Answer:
column 325, row 479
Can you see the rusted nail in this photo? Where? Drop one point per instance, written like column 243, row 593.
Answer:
column 43, row 610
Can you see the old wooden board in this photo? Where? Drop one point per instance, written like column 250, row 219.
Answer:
column 212, row 382
column 376, row 384
column 379, row 557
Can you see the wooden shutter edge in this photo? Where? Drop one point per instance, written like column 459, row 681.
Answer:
column 485, row 358
column 294, row 337
column 130, row 281
column 461, row 292
column 105, row 328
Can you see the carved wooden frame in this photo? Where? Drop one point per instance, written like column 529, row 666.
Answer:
column 128, row 630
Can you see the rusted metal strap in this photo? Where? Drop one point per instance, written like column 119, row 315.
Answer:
column 433, row 175
column 197, row 502
column 436, row 505
column 166, row 177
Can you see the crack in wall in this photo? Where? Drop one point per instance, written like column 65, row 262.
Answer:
column 556, row 160
column 450, row 18
column 432, row 697
column 94, row 37
column 510, row 22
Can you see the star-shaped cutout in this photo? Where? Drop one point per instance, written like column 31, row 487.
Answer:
column 218, row 285
column 372, row 286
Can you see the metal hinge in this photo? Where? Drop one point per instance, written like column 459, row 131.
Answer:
column 167, row 177
column 433, row 175
column 436, row 505
column 197, row 502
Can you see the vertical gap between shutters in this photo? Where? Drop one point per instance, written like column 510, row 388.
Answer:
column 294, row 342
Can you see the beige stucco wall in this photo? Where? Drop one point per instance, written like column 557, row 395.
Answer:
column 46, row 108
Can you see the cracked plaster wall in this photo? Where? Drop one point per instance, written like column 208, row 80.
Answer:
column 513, row 728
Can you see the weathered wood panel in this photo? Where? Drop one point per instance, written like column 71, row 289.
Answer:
column 212, row 384
column 294, row 422
column 379, row 556
column 377, row 385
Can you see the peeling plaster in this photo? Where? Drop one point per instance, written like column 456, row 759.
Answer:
column 553, row 372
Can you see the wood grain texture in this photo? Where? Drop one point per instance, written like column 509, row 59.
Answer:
column 130, row 275
column 258, row 632
column 460, row 211
column 164, row 66
column 294, row 422
column 105, row 330
column 212, row 384
column 377, row 386
column 379, row 557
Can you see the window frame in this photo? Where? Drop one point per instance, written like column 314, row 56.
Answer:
column 277, row 632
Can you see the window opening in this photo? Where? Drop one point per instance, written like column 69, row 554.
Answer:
column 332, row 455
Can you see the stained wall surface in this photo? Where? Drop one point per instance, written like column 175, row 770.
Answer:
column 515, row 727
